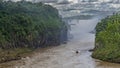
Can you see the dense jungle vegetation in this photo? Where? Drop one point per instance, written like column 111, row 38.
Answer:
column 107, row 42
column 25, row 26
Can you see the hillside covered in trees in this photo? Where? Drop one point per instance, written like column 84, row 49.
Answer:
column 107, row 42
column 25, row 26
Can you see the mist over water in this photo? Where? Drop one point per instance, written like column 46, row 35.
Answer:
column 84, row 8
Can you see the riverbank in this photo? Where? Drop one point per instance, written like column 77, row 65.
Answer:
column 64, row 56
column 13, row 54
column 107, row 39
column 24, row 29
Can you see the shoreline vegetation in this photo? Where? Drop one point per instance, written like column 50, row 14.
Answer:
column 26, row 26
column 107, row 41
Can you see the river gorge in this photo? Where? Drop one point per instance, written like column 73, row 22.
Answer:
column 82, row 17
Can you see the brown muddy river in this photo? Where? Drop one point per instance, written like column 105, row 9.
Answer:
column 81, row 39
column 64, row 56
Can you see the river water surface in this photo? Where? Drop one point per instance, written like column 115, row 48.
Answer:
column 82, row 18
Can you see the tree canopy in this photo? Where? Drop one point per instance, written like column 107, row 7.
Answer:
column 107, row 42
column 27, row 24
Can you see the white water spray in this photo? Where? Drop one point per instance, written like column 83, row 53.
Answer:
column 73, row 1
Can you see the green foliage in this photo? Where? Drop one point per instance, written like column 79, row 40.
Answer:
column 25, row 26
column 31, row 25
column 108, row 39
